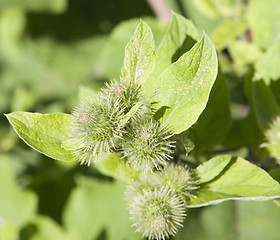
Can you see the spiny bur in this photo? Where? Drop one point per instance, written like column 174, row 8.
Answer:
column 96, row 127
column 157, row 201
column 147, row 145
column 179, row 179
column 157, row 213
column 97, row 121
column 129, row 93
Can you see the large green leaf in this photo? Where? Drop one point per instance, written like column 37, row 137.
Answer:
column 44, row 132
column 17, row 206
column 212, row 169
column 96, row 206
column 245, row 130
column 263, row 16
column 215, row 121
column 266, row 107
column 86, row 92
column 244, row 52
column 232, row 220
column 239, row 179
column 215, row 8
column 47, row 229
column 184, row 87
column 8, row 231
column 227, row 32
column 201, row 21
column 112, row 55
column 111, row 165
column 139, row 55
column 268, row 65
column 179, row 38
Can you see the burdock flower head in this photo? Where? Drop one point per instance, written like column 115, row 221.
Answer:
column 179, row 179
column 157, row 201
column 157, row 213
column 99, row 123
column 148, row 145
column 128, row 93
column 96, row 127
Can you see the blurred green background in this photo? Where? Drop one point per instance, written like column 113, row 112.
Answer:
column 50, row 50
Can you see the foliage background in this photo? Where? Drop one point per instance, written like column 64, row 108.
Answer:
column 49, row 48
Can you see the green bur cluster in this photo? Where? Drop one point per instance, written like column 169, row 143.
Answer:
column 158, row 201
column 109, row 123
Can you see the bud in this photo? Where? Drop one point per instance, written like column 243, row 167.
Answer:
column 157, row 213
column 157, row 201
column 147, row 145
column 179, row 179
column 96, row 127
column 127, row 93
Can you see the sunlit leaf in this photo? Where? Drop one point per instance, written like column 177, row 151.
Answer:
column 139, row 55
column 184, row 87
column 238, row 180
column 264, row 16
column 44, row 132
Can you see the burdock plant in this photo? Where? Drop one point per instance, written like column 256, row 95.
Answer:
column 133, row 130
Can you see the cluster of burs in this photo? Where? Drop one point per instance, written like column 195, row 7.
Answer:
column 111, row 123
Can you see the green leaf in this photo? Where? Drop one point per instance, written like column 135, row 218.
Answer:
column 211, row 223
column 239, row 180
column 184, row 87
column 130, row 114
column 264, row 16
column 254, row 213
column 232, row 220
column 8, row 231
column 85, row 92
column 268, row 64
column 139, row 55
column 227, row 32
column 179, row 38
column 212, row 168
column 111, row 165
column 49, row 229
column 215, row 121
column 17, row 206
column 215, row 8
column 200, row 20
column 23, row 99
column 44, row 132
column 265, row 105
column 187, row 143
column 244, row 52
column 12, row 23
column 96, row 206
column 245, row 130
column 272, row 137
column 112, row 56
